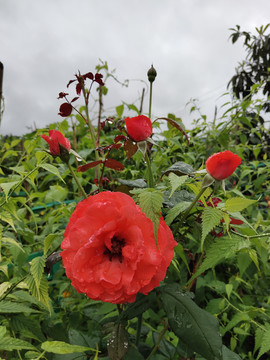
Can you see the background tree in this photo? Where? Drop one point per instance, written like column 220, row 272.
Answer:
column 256, row 66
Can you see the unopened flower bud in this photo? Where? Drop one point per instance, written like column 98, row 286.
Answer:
column 152, row 73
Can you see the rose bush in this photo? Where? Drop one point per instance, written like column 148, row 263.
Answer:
column 54, row 139
column 221, row 165
column 139, row 128
column 109, row 249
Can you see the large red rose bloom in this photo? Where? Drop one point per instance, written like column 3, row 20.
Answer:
column 54, row 139
column 139, row 128
column 221, row 165
column 110, row 253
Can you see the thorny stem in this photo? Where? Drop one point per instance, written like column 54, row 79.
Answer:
column 99, row 116
column 250, row 236
column 13, row 287
column 150, row 178
column 77, row 180
column 150, row 100
column 197, row 197
column 198, row 264
column 142, row 98
column 158, row 341
column 90, row 126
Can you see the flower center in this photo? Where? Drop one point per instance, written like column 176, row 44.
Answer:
column 116, row 249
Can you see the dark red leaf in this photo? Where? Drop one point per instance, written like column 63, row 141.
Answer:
column 70, row 82
column 74, row 99
column 89, row 75
column 130, row 148
column 113, row 164
column 98, row 76
column 88, row 166
column 78, row 88
column 65, row 110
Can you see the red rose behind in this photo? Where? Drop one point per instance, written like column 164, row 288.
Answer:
column 54, row 139
column 221, row 165
column 110, row 253
column 139, row 128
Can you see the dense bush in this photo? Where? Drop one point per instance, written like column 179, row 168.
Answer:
column 214, row 300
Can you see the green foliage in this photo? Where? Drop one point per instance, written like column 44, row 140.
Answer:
column 196, row 328
column 222, row 264
column 150, row 202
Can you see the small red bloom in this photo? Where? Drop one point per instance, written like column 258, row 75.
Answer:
column 54, row 139
column 221, row 165
column 139, row 128
column 110, row 253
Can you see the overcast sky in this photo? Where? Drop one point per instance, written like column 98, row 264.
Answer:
column 43, row 43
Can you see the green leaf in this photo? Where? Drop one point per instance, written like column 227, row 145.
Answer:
column 180, row 252
column 6, row 217
column 9, row 344
column 13, row 307
column 195, row 327
column 42, row 293
column 236, row 319
column 52, row 169
column 137, row 183
column 32, row 355
column 265, row 346
column 211, row 217
column 27, row 324
column 3, row 331
column 150, row 202
column 179, row 168
column 238, row 204
column 49, row 239
column 119, row 110
column 37, row 269
column 4, row 287
column 60, row 347
column 223, row 248
column 142, row 303
column 175, row 211
column 118, row 342
column 176, row 181
column 227, row 354
column 56, row 193
column 258, row 338
column 8, row 186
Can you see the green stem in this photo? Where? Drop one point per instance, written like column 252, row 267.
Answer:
column 139, row 328
column 158, row 342
column 150, row 100
column 150, row 174
column 77, row 180
column 250, row 236
column 92, row 131
column 197, row 197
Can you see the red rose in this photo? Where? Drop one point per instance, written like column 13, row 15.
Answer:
column 139, row 128
column 110, row 253
column 221, row 165
column 54, row 139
